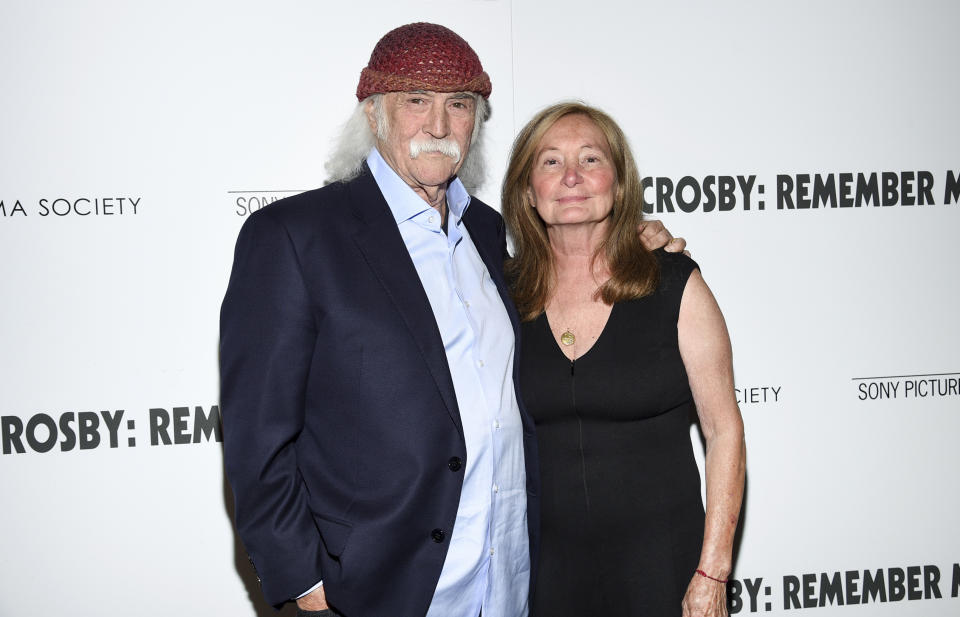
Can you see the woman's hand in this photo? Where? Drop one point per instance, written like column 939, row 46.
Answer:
column 705, row 598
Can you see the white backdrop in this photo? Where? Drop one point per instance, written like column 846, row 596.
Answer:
column 168, row 122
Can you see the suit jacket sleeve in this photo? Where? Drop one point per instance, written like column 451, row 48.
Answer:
column 267, row 338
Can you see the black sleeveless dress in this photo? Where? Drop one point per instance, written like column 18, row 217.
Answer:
column 622, row 518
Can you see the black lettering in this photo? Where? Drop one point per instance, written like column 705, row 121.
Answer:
column 134, row 201
column 734, row 603
column 824, row 190
column 77, row 210
column 44, row 209
column 924, row 188
column 47, row 444
column 113, row 425
column 159, row 426
column 725, row 193
column 69, row 436
column 106, row 206
column 890, row 194
column 931, row 582
column 17, row 207
column 753, row 590
column 67, row 206
column 846, row 199
column 831, row 589
column 850, row 585
column 791, row 592
column 180, row 425
column 746, row 187
column 895, row 579
column 803, row 188
column 711, row 198
column 874, row 586
column 954, row 586
column 906, row 188
column 784, row 195
column 664, row 191
column 691, row 183
column 951, row 192
column 809, row 591
column 12, row 428
column 644, row 185
column 868, row 191
column 207, row 425
column 89, row 423
column 242, row 205
column 913, row 583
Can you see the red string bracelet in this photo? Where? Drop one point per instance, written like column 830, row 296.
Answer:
column 705, row 575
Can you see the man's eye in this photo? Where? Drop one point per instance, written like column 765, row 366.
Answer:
column 416, row 101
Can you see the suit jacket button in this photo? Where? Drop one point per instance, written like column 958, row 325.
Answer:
column 438, row 535
column 455, row 463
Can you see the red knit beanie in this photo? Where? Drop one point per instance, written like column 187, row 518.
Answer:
column 423, row 56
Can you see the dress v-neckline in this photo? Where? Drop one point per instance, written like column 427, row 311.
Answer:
column 557, row 346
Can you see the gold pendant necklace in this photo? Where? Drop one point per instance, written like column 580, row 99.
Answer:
column 567, row 337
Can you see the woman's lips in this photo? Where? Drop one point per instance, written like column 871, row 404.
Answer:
column 572, row 199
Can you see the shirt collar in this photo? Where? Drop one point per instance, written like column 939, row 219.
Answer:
column 403, row 201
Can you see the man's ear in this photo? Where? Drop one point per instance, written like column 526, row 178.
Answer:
column 371, row 116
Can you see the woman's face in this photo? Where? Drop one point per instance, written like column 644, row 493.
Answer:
column 573, row 179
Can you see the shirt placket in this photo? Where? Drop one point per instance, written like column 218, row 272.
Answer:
column 480, row 349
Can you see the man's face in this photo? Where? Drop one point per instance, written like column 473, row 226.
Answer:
column 427, row 135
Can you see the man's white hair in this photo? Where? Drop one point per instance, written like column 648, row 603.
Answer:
column 356, row 138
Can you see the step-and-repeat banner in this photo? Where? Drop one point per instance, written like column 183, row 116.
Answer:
column 808, row 151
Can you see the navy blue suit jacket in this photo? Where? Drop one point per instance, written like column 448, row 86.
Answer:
column 339, row 412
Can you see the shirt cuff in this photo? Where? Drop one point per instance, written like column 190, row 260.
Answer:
column 312, row 589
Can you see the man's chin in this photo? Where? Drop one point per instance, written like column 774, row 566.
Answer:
column 436, row 176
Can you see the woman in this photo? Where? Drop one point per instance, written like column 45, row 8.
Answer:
column 618, row 347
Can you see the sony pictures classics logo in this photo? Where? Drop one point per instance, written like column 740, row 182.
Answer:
column 919, row 386
column 246, row 203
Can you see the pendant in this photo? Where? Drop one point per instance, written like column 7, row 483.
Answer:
column 567, row 338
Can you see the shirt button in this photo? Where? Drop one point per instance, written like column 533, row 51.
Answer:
column 496, row 489
column 496, row 424
column 455, row 463
column 480, row 363
column 491, row 552
column 430, row 219
column 438, row 535
column 466, row 303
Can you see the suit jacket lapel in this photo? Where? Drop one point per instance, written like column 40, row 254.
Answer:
column 380, row 242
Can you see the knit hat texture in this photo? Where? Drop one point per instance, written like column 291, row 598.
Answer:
column 423, row 56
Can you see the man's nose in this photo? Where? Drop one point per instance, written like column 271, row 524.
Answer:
column 438, row 122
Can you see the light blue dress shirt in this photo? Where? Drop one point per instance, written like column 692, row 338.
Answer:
column 488, row 561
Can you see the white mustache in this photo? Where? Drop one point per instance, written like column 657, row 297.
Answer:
column 447, row 147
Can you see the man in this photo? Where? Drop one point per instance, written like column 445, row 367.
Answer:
column 381, row 460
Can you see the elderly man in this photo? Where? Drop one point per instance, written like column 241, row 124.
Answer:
column 381, row 461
